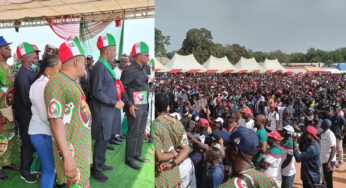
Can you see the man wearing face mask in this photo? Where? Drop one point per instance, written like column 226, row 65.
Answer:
column 135, row 80
column 22, row 109
column 239, row 153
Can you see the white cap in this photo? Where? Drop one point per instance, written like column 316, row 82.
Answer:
column 289, row 128
column 176, row 115
column 219, row 120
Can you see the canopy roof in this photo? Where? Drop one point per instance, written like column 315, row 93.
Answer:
column 297, row 70
column 159, row 67
column 220, row 65
column 341, row 66
column 35, row 12
column 248, row 65
column 273, row 66
column 184, row 63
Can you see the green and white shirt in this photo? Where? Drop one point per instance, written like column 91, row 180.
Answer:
column 273, row 157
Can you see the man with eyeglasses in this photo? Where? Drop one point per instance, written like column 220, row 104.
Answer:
column 136, row 83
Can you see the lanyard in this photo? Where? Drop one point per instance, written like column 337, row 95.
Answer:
column 118, row 83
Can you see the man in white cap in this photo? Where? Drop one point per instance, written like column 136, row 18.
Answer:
column 135, row 80
column 70, row 118
column 22, row 106
column 288, row 169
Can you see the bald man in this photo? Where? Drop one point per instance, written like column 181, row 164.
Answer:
column 70, row 118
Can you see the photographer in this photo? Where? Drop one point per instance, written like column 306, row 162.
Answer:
column 309, row 157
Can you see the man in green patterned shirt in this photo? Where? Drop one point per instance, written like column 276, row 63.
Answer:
column 239, row 153
column 7, row 130
column 70, row 118
column 170, row 137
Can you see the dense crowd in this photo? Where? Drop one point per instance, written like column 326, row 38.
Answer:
column 249, row 129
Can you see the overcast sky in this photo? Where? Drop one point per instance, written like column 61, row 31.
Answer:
column 266, row 25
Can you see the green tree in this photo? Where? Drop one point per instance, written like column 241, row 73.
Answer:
column 282, row 57
column 160, row 42
column 258, row 55
column 199, row 42
column 297, row 57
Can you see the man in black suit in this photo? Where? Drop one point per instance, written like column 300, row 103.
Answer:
column 258, row 107
column 106, row 104
column 85, row 80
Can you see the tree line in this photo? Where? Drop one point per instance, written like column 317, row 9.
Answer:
column 200, row 43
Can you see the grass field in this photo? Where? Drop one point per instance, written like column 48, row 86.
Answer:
column 122, row 176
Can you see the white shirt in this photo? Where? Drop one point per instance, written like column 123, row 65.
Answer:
column 272, row 118
column 39, row 123
column 117, row 72
column 290, row 169
column 274, row 169
column 328, row 140
column 249, row 125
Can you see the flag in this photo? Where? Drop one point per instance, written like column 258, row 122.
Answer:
column 121, row 42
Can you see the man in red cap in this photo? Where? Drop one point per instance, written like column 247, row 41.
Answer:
column 271, row 161
column 310, row 157
column 247, row 120
column 70, row 118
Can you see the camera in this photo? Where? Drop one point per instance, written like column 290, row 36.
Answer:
column 296, row 135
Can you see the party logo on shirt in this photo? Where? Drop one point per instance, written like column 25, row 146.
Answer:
column 3, row 144
column 54, row 109
column 84, row 113
column 68, row 109
column 140, row 97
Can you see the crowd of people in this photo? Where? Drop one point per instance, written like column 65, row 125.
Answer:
column 65, row 100
column 248, row 130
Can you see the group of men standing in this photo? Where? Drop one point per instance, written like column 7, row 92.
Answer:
column 67, row 96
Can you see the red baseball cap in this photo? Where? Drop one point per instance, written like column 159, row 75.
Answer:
column 273, row 105
column 246, row 111
column 274, row 134
column 312, row 130
column 203, row 122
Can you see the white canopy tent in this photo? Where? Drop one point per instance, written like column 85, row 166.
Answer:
column 184, row 63
column 219, row 65
column 248, row 65
column 159, row 67
column 272, row 66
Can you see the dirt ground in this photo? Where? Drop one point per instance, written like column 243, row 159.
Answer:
column 339, row 175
